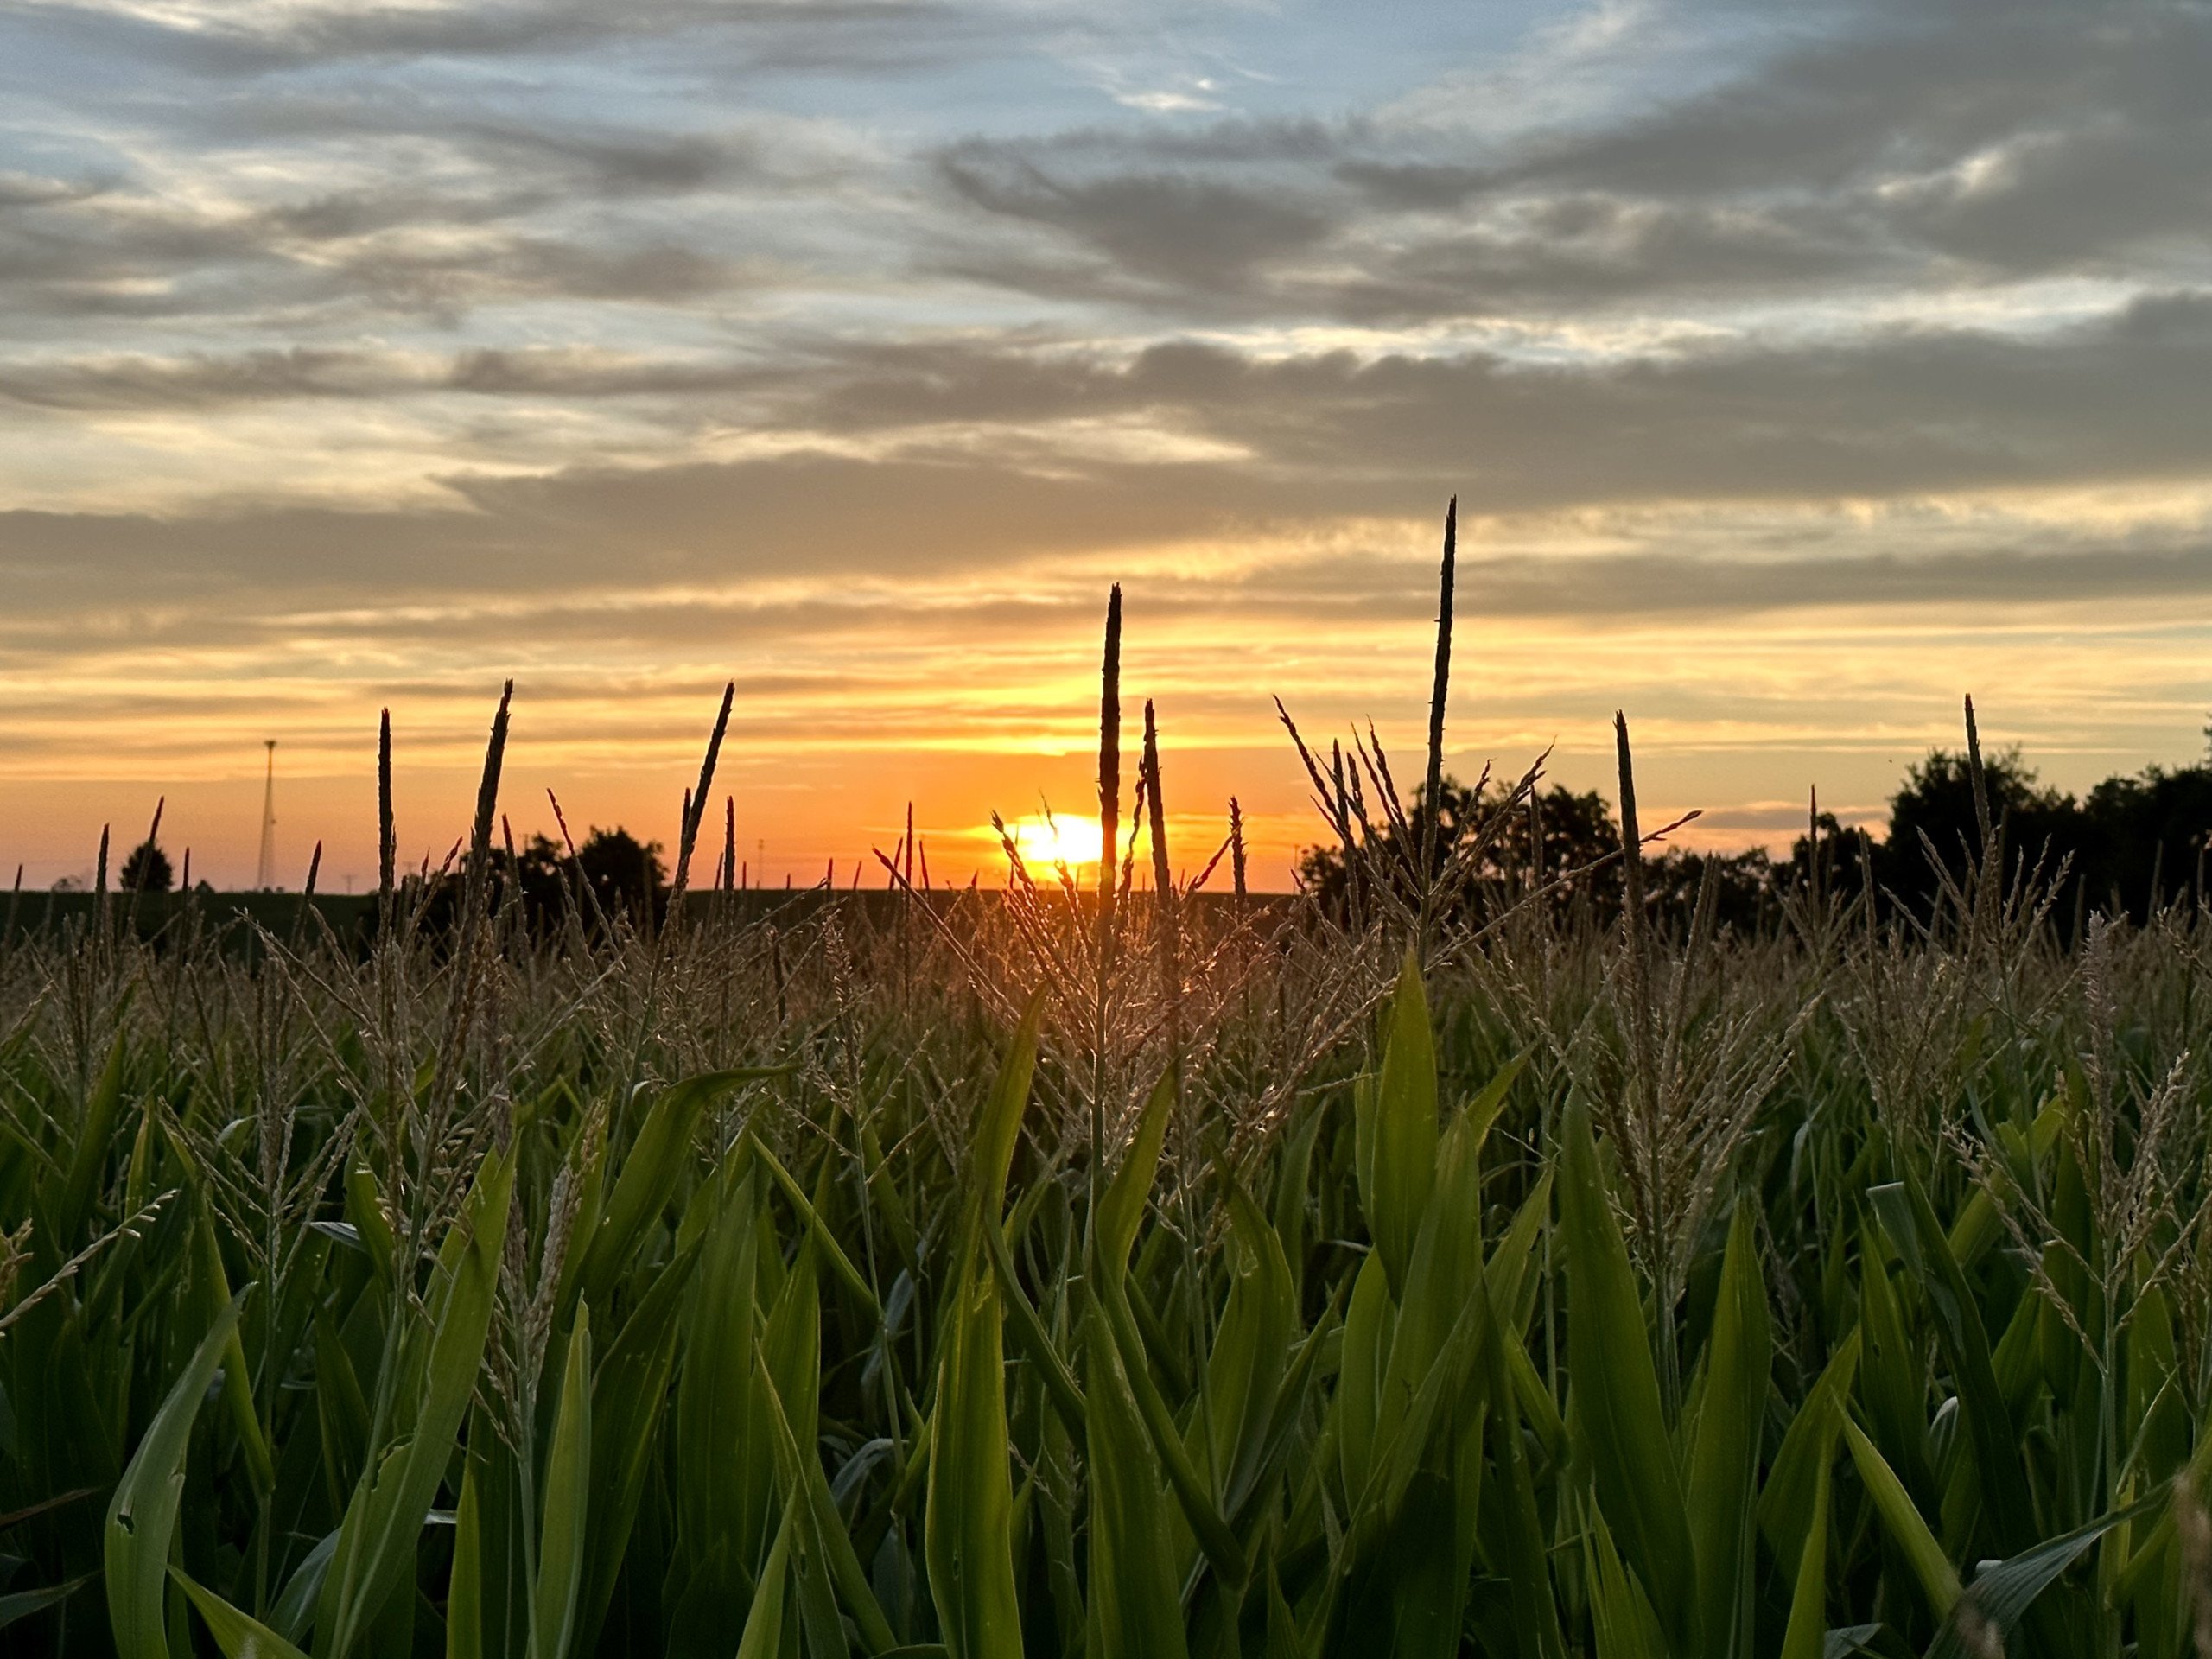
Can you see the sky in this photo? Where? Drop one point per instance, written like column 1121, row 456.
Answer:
column 1798, row 370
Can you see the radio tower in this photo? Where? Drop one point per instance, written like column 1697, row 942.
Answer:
column 264, row 874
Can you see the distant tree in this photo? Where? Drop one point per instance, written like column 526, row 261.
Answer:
column 1845, row 855
column 2144, row 839
column 625, row 873
column 1744, row 888
column 1568, row 847
column 1933, row 823
column 147, row 870
column 2129, row 845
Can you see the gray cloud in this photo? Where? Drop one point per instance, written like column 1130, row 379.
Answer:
column 839, row 37
column 1156, row 227
column 1912, row 145
column 1895, row 414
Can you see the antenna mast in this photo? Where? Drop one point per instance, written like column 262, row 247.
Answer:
column 264, row 875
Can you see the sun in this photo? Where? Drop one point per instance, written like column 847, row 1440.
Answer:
column 1062, row 839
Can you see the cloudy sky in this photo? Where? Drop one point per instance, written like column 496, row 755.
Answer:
column 1798, row 369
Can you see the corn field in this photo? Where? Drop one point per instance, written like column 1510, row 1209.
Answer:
column 1135, row 1268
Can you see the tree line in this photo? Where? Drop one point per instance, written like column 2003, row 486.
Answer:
column 2132, row 844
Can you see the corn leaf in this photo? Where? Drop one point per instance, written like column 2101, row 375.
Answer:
column 968, row 1532
column 142, row 1515
column 1616, row 1410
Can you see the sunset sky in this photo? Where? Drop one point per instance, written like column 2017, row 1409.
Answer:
column 1798, row 368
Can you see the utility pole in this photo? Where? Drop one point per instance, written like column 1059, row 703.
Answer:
column 264, row 875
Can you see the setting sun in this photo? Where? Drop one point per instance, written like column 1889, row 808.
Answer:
column 1057, row 840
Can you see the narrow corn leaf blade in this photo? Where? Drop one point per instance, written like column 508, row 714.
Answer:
column 1616, row 1404
column 968, row 1526
column 383, row 1520
column 650, row 1174
column 1806, row 1636
column 1910, row 1532
column 142, row 1515
column 2002, row 1592
column 238, row 1635
column 763, row 1636
column 568, row 1489
column 1134, row 1605
column 1724, row 1459
column 1398, row 1173
column 465, row 1592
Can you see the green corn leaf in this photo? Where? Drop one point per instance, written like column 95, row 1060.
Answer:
column 238, row 1635
column 1133, row 1607
column 1910, row 1222
column 2195, row 1475
column 365, row 1209
column 1626, row 1626
column 1120, row 1212
column 1513, row 1286
column 763, row 1636
column 650, row 1172
column 1292, row 1173
column 88, row 1160
column 465, row 1592
column 1518, row 1535
column 237, row 1382
column 1616, row 1405
column 1979, row 1223
column 1359, row 1403
column 142, row 1515
column 822, row 1238
column 1805, row 1635
column 724, row 1497
column 383, row 1520
column 2002, row 1592
column 568, row 1489
column 1724, row 1458
column 1484, row 1106
column 1036, row 1343
column 1906, row 1527
column 1433, row 1293
column 968, row 1526
column 1283, row 1642
column 1250, row 1356
column 1299, row 1385
column 295, row 1610
column 629, row 1400
column 827, row 1538
column 1399, row 1130
column 1893, row 1385
column 22, row 1604
column 1785, row 1506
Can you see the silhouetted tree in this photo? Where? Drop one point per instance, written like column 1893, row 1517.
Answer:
column 2131, row 843
column 147, row 870
column 1933, row 822
column 2144, row 839
column 1845, row 854
column 624, row 873
column 1568, row 847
